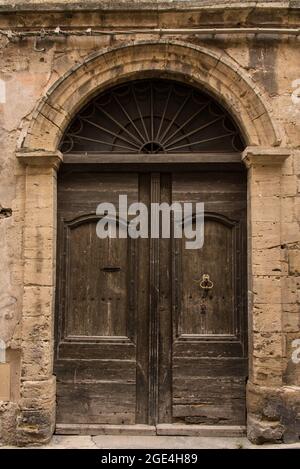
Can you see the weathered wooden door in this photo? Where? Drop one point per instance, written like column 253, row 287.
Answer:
column 101, row 362
column 148, row 331
column 209, row 349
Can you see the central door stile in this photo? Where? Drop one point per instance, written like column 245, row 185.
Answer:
column 154, row 344
column 165, row 311
column 143, row 316
column 154, row 298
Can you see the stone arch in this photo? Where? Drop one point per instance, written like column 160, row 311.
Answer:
column 216, row 73
column 38, row 151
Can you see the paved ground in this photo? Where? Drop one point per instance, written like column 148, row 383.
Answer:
column 153, row 442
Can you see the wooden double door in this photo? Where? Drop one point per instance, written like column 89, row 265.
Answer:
column 138, row 339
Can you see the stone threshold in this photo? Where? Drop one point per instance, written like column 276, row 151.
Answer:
column 160, row 430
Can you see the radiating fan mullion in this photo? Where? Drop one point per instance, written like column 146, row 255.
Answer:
column 175, row 117
column 120, row 125
column 186, row 123
column 162, row 120
column 109, row 144
column 110, row 132
column 127, row 115
column 195, row 131
column 190, row 144
column 151, row 113
column 146, row 138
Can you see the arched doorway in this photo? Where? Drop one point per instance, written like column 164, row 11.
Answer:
column 141, row 338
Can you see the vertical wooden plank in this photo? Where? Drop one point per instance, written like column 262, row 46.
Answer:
column 165, row 316
column 154, row 302
column 142, row 329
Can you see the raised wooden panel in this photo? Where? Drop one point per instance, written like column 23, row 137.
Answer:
column 98, row 280
column 209, row 311
column 120, row 349
column 96, row 402
column 209, row 392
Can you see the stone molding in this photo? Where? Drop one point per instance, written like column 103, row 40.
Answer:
column 265, row 156
column 40, row 158
column 136, row 5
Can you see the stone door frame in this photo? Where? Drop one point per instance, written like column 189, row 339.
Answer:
column 264, row 156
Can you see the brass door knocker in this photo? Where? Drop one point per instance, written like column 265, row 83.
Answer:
column 205, row 283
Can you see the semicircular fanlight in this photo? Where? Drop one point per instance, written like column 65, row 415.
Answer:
column 152, row 116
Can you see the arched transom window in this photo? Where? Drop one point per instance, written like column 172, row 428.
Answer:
column 152, row 116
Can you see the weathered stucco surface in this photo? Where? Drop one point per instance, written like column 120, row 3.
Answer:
column 256, row 76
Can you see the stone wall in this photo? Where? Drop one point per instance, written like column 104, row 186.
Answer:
column 260, row 69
